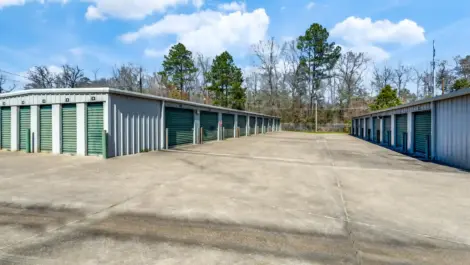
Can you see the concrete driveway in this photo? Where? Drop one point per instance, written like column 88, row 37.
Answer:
column 281, row 198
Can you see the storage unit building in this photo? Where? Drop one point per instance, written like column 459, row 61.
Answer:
column 434, row 128
column 110, row 122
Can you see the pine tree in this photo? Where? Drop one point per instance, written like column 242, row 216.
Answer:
column 226, row 81
column 178, row 67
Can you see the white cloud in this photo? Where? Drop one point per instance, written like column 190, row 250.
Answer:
column 136, row 9
column 233, row 6
column 363, row 31
column 94, row 13
column 375, row 53
column 55, row 69
column 5, row 3
column 198, row 3
column 365, row 35
column 208, row 32
column 156, row 53
column 310, row 5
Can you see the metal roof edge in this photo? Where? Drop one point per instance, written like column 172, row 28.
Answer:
column 125, row 93
column 459, row 93
column 55, row 91
column 178, row 101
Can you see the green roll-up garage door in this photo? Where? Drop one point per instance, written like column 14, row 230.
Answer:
column 24, row 126
column 400, row 128
column 45, row 128
column 422, row 130
column 376, row 129
column 209, row 122
column 228, row 121
column 242, row 125
column 69, row 129
column 387, row 129
column 180, row 124
column 260, row 122
column 5, row 128
column 252, row 125
column 94, row 129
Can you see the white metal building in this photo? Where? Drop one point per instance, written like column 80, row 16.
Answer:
column 437, row 128
column 110, row 122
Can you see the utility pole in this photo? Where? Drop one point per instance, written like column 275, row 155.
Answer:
column 316, row 116
column 433, row 67
column 140, row 79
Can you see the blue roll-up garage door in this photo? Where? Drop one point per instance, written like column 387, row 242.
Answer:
column 422, row 132
column 376, row 129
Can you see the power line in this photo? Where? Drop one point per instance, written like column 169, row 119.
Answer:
column 10, row 73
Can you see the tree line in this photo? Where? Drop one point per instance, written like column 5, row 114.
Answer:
column 287, row 79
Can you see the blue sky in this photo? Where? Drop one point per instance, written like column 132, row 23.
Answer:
column 97, row 34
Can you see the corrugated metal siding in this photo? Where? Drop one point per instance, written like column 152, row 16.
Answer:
column 134, row 125
column 453, row 132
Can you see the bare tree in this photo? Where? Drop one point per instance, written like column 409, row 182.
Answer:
column 350, row 72
column 401, row 77
column 427, row 82
column 203, row 65
column 71, row 77
column 463, row 66
column 3, row 81
column 252, row 82
column 269, row 54
column 444, row 76
column 381, row 77
column 127, row 77
column 40, row 77
column 418, row 79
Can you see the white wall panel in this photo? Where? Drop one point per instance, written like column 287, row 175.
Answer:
column 452, row 140
column 136, row 127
